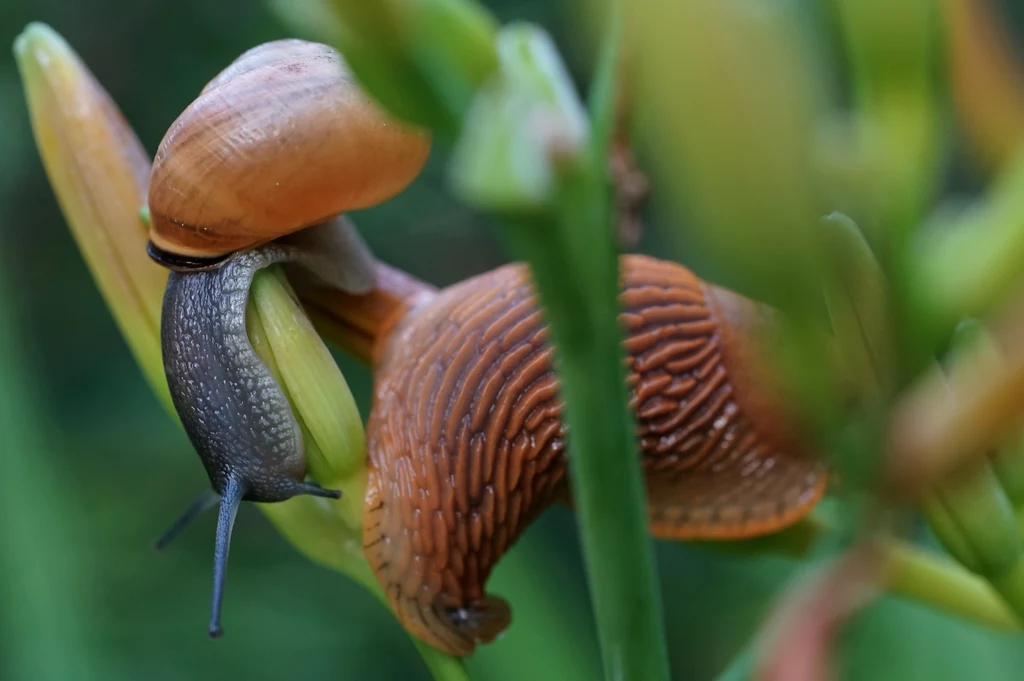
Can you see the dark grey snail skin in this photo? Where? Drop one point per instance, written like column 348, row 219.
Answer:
column 235, row 414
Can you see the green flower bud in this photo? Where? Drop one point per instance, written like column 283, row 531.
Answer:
column 525, row 123
column 453, row 44
column 970, row 511
column 332, row 427
column 857, row 298
column 395, row 84
column 976, row 522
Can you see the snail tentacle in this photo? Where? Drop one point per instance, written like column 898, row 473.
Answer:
column 234, row 492
column 207, row 500
column 315, row 490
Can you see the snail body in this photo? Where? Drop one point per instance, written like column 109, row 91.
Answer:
column 467, row 445
column 259, row 170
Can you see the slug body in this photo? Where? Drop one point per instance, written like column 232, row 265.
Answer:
column 467, row 443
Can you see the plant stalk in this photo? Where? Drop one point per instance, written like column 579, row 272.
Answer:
column 575, row 268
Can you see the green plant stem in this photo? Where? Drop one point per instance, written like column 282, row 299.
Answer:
column 575, row 268
column 907, row 571
column 910, row 572
column 315, row 533
column 442, row 667
column 605, row 476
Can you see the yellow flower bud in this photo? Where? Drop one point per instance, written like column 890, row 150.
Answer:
column 99, row 173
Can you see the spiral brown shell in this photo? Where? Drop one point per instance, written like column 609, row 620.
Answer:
column 280, row 140
column 467, row 443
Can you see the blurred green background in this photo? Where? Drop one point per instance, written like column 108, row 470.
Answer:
column 91, row 468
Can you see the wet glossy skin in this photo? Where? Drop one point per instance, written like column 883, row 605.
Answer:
column 467, row 445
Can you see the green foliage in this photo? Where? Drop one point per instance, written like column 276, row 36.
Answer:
column 91, row 468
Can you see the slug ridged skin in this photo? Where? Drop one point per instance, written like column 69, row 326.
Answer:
column 467, row 444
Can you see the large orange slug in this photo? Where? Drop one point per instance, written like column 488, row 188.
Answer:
column 467, row 444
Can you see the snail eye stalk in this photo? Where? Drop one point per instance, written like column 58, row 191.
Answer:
column 234, row 491
column 207, row 500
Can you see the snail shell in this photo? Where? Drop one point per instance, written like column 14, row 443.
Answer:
column 467, row 443
column 280, row 140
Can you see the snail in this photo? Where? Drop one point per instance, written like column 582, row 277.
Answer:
column 466, row 443
column 260, row 169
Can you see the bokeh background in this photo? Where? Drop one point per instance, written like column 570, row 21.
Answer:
column 101, row 469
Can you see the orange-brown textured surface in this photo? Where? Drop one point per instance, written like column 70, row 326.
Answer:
column 282, row 139
column 467, row 444
column 358, row 323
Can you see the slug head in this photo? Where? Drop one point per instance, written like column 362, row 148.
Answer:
column 483, row 620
